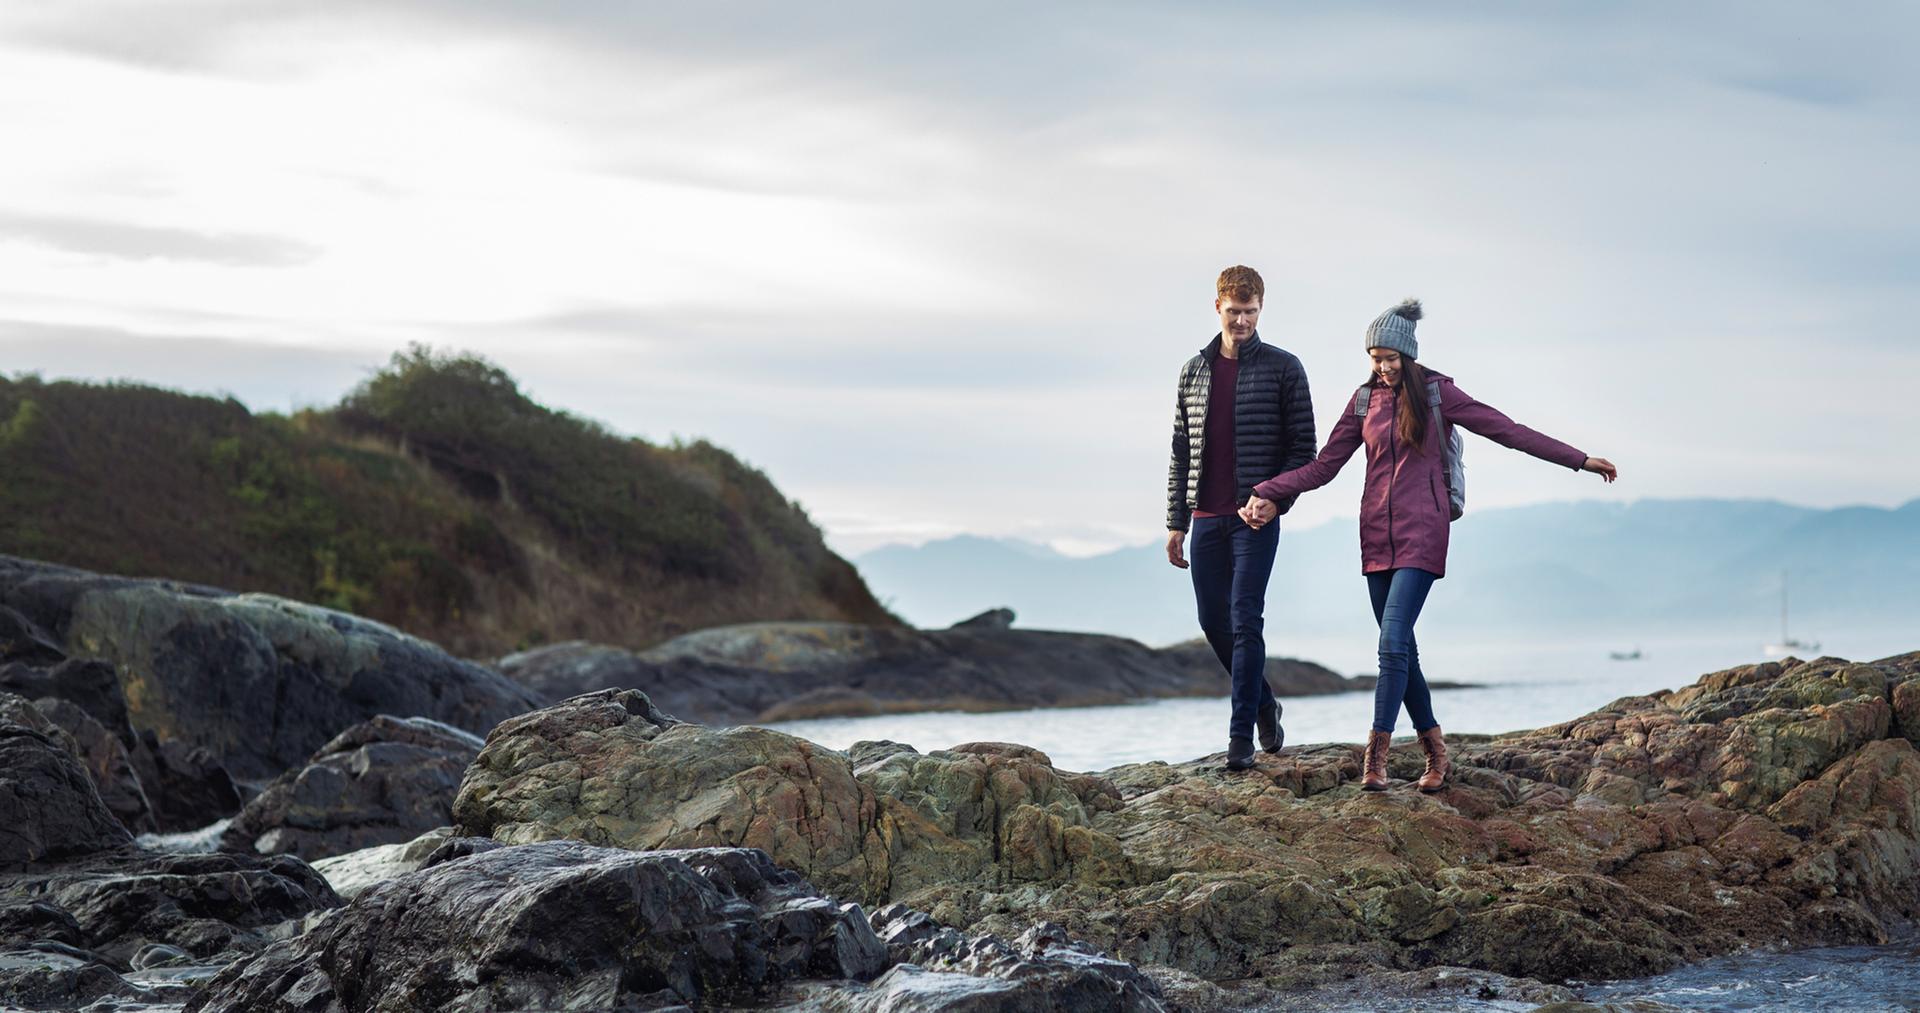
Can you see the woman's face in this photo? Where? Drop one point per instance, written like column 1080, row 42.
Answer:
column 1386, row 365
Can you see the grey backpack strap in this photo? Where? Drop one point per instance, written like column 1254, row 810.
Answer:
column 1360, row 399
column 1455, row 448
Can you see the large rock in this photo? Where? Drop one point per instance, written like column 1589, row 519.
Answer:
column 481, row 926
column 49, row 808
column 214, row 907
column 150, row 784
column 608, row 768
column 51, row 979
column 260, row 682
column 23, row 642
column 1768, row 805
column 763, row 672
column 79, row 903
column 107, row 761
column 560, row 925
column 383, row 781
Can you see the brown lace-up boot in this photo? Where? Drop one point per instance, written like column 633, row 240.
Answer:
column 1375, row 776
column 1438, row 766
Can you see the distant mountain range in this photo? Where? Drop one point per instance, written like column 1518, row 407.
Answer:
column 1643, row 569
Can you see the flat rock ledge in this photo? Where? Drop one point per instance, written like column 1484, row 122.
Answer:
column 760, row 672
column 1768, row 805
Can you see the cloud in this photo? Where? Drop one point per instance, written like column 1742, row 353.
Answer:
column 922, row 263
column 136, row 242
column 263, row 376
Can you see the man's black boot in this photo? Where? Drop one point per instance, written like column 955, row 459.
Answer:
column 1239, row 753
column 1272, row 736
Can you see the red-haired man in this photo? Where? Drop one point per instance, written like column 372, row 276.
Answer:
column 1241, row 415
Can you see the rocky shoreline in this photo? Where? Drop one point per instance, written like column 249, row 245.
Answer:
column 600, row 852
column 769, row 672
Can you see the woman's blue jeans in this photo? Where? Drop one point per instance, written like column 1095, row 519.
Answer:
column 1230, row 564
column 1398, row 596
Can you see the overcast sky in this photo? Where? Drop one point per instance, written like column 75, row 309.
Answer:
column 935, row 269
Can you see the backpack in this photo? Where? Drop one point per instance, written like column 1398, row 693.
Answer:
column 1456, row 469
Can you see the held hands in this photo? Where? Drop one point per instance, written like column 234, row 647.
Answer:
column 1259, row 511
column 1602, row 467
column 1174, row 554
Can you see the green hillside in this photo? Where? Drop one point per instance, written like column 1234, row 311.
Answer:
column 436, row 497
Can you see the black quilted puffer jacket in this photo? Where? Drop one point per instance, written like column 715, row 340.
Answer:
column 1272, row 424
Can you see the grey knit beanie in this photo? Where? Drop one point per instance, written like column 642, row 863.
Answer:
column 1394, row 329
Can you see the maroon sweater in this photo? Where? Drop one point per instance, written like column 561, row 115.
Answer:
column 1215, row 497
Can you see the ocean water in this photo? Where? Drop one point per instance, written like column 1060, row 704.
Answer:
column 1846, row 978
column 1840, row 979
column 1519, row 685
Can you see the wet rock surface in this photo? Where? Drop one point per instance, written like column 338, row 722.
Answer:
column 49, row 808
column 383, row 781
column 937, row 967
column 205, row 905
column 561, row 925
column 258, row 682
column 49, row 979
column 80, row 905
column 1768, row 805
column 352, row 873
column 108, row 762
column 482, row 926
column 782, row 671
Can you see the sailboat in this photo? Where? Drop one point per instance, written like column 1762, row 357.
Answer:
column 1788, row 645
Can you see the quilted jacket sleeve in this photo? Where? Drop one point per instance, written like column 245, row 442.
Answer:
column 1296, row 406
column 1341, row 444
column 1177, row 511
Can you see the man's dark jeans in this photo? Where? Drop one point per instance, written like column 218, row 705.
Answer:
column 1230, row 563
column 1398, row 596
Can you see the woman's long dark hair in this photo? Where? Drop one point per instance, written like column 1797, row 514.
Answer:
column 1413, row 412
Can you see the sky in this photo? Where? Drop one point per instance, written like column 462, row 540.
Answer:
column 935, row 269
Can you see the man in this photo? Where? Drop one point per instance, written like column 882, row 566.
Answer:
column 1242, row 415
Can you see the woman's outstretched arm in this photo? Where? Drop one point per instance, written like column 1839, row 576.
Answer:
column 1460, row 409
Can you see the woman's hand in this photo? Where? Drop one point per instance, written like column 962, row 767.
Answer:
column 1602, row 467
column 1258, row 512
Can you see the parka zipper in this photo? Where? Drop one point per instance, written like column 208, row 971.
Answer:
column 1393, row 472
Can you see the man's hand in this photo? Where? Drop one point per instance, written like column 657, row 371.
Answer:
column 1602, row 467
column 1258, row 512
column 1174, row 546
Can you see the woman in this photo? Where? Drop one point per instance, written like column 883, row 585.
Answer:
column 1405, row 512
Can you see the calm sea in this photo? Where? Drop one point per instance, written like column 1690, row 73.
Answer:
column 1520, row 685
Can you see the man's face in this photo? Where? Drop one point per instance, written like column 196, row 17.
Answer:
column 1237, row 317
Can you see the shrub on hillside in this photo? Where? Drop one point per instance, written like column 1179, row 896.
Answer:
column 615, row 499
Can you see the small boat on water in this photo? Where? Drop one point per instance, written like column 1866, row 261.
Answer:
column 1788, row 645
column 1633, row 655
